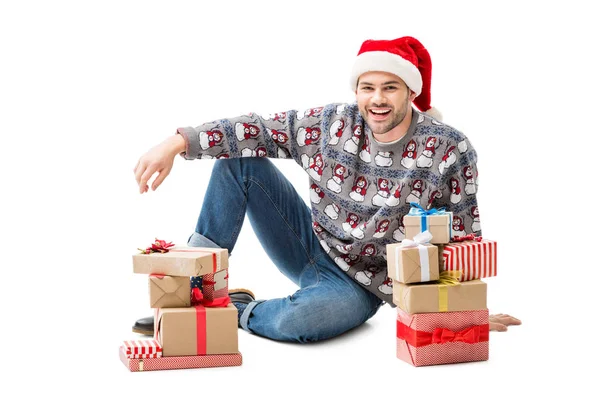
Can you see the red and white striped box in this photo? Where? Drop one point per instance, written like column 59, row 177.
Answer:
column 180, row 362
column 215, row 285
column 142, row 348
column 442, row 338
column 475, row 259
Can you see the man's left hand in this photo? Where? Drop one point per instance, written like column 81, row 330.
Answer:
column 500, row 322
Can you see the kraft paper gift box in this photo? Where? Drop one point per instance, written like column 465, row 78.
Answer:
column 182, row 261
column 182, row 362
column 413, row 260
column 438, row 222
column 476, row 259
column 148, row 348
column 169, row 291
column 442, row 338
column 197, row 330
column 433, row 297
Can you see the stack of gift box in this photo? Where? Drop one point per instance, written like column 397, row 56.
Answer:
column 195, row 324
column 442, row 314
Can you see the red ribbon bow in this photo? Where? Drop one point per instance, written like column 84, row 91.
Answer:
column 442, row 335
column 415, row 338
column 470, row 236
column 159, row 246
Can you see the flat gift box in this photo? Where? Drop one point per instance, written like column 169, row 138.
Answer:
column 182, row 362
column 442, row 338
column 404, row 264
column 196, row 330
column 147, row 348
column 169, row 291
column 416, row 298
column 182, row 261
column 476, row 259
column 438, row 225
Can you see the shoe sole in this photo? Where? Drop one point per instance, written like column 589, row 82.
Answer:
column 143, row 332
column 247, row 291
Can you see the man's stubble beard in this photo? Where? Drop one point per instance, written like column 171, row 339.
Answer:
column 397, row 118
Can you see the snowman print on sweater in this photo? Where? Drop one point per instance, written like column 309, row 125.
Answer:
column 409, row 155
column 339, row 174
column 383, row 192
column 308, row 136
column 335, row 131
column 359, row 231
column 359, row 189
column 382, row 228
column 344, row 248
column 351, row 145
column 416, row 192
column 311, row 112
column 318, row 229
column 280, row 139
column 433, row 196
column 398, row 234
column 245, row 131
column 259, row 151
column 365, row 150
column 210, row 139
column 346, row 261
column 425, row 160
column 455, row 196
column 332, row 211
column 448, row 159
column 313, row 165
column 352, row 221
column 470, row 180
column 394, row 199
column 280, row 116
column 458, row 228
column 475, row 226
column 386, row 287
column 366, row 275
column 384, row 158
column 316, row 194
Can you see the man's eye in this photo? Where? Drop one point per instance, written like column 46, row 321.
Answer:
column 391, row 88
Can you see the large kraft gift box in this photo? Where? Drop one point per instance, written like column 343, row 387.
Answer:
column 182, row 261
column 196, row 330
column 476, row 259
column 405, row 264
column 438, row 297
column 169, row 291
column 442, row 338
column 182, row 362
column 438, row 222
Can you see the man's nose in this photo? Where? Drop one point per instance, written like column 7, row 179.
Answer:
column 378, row 96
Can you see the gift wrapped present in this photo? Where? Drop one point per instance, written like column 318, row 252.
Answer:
column 473, row 256
column 444, row 295
column 182, row 261
column 182, row 362
column 149, row 348
column 210, row 286
column 168, row 291
column 197, row 330
column 436, row 221
column 442, row 338
column 413, row 260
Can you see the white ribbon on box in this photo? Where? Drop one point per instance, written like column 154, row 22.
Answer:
column 419, row 241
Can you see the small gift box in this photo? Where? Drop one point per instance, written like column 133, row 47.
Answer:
column 442, row 338
column 142, row 348
column 182, row 362
column 436, row 221
column 181, row 261
column 444, row 295
column 197, row 330
column 413, row 260
column 211, row 286
column 473, row 256
column 169, row 291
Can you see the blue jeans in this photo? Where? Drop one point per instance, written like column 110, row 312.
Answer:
column 328, row 302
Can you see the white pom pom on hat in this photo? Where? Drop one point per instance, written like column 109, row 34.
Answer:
column 404, row 57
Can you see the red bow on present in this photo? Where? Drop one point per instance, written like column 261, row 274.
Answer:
column 470, row 236
column 159, row 246
column 443, row 335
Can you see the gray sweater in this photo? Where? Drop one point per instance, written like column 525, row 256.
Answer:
column 360, row 189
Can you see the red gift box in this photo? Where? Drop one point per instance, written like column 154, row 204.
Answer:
column 142, row 348
column 442, row 338
column 180, row 362
column 215, row 285
column 476, row 259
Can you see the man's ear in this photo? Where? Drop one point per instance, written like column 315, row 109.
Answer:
column 412, row 96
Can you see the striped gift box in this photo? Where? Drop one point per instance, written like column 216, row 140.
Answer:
column 476, row 260
column 215, row 285
column 149, row 348
column 180, row 362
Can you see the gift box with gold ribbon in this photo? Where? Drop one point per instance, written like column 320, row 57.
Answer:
column 442, row 338
column 444, row 295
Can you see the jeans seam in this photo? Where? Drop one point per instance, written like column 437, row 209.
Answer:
column 239, row 222
column 310, row 258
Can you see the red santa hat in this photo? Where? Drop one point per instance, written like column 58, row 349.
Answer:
column 404, row 57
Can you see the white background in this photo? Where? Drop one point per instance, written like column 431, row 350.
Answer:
column 87, row 87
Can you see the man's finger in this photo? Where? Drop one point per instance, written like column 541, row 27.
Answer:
column 150, row 170
column 139, row 171
column 160, row 178
column 136, row 166
column 505, row 319
column 498, row 327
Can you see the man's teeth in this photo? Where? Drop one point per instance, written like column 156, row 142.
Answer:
column 380, row 111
